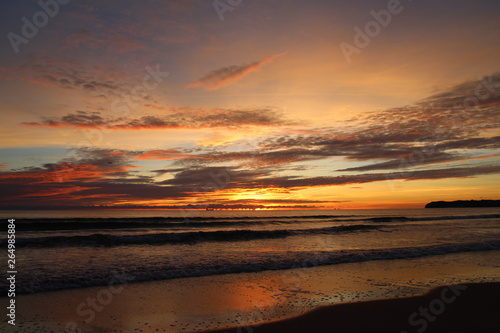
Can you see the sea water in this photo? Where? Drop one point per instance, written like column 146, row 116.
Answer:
column 72, row 249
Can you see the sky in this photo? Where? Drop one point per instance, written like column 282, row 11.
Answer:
column 272, row 103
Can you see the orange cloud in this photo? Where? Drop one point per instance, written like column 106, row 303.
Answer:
column 162, row 155
column 188, row 118
column 55, row 191
column 59, row 172
column 227, row 75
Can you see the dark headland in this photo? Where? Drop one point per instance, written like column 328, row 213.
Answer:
column 463, row 204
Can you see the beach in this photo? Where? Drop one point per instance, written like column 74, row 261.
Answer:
column 247, row 300
column 447, row 309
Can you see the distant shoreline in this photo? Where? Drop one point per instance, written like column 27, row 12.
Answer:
column 463, row 204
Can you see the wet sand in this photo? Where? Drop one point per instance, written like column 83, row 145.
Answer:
column 472, row 308
column 249, row 299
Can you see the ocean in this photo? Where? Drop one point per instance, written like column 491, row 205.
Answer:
column 58, row 250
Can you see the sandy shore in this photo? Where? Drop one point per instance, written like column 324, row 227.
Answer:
column 471, row 308
column 249, row 299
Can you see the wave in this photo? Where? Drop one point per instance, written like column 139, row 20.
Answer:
column 157, row 222
column 120, row 224
column 465, row 217
column 176, row 222
column 385, row 219
column 242, row 265
column 192, row 237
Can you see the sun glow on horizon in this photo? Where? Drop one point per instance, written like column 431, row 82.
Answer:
column 167, row 106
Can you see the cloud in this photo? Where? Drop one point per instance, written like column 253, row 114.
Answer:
column 254, row 158
column 87, row 176
column 83, row 164
column 106, row 40
column 439, row 137
column 72, row 75
column 462, row 111
column 114, row 159
column 103, row 177
column 225, row 76
column 102, row 81
column 300, row 182
column 432, row 158
column 187, row 118
column 207, row 178
column 472, row 143
column 162, row 155
column 234, row 177
column 52, row 173
column 460, row 118
column 80, row 119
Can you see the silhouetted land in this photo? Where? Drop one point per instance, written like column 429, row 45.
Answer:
column 463, row 204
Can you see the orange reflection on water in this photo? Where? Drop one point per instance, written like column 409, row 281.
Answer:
column 257, row 292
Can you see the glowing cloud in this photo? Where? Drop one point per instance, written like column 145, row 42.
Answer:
column 227, row 75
